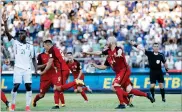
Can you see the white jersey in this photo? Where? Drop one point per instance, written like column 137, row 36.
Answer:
column 23, row 54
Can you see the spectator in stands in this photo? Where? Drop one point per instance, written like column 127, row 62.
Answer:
column 85, row 25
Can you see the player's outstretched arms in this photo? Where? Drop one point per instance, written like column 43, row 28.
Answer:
column 6, row 27
column 93, row 53
column 102, row 67
column 135, row 45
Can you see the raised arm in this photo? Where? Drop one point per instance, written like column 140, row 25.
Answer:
column 6, row 28
column 135, row 45
column 102, row 67
column 94, row 53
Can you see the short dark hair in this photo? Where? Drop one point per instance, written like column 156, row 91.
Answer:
column 155, row 43
column 48, row 42
column 69, row 53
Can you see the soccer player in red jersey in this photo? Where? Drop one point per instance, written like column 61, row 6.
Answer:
column 45, row 79
column 4, row 99
column 61, row 67
column 116, row 60
column 3, row 96
column 75, row 68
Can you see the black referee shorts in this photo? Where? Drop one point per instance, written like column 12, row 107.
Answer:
column 156, row 76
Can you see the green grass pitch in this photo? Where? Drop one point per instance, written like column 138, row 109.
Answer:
column 100, row 102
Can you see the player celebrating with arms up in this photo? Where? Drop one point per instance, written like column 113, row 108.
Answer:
column 155, row 58
column 116, row 60
column 24, row 56
column 75, row 68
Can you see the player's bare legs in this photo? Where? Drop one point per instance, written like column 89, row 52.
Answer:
column 152, row 90
column 161, row 86
column 13, row 95
column 4, row 99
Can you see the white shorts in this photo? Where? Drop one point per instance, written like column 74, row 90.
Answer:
column 21, row 74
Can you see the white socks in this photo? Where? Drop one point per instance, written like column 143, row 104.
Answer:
column 13, row 96
column 28, row 98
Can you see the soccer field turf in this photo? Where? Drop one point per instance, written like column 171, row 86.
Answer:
column 100, row 102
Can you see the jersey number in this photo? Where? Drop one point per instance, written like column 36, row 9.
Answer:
column 22, row 51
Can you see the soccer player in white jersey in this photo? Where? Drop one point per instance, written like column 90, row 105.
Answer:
column 24, row 56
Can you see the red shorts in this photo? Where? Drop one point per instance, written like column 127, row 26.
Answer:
column 44, row 86
column 56, row 79
column 81, row 78
column 59, row 79
column 65, row 75
column 122, row 77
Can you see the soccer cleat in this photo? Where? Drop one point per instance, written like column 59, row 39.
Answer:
column 121, row 106
column 55, row 107
column 27, row 108
column 34, row 104
column 13, row 107
column 154, row 99
column 130, row 97
column 130, row 105
column 86, row 101
column 79, row 82
column 164, row 100
column 8, row 105
column 149, row 96
column 89, row 90
column 63, row 105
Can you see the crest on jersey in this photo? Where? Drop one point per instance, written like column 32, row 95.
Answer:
column 157, row 61
column 119, row 53
column 50, row 55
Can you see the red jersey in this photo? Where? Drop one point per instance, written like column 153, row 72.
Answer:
column 116, row 59
column 75, row 68
column 43, row 59
column 58, row 61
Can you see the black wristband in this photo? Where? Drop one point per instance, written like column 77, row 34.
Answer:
column 135, row 45
column 166, row 69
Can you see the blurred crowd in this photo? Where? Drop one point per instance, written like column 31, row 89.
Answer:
column 85, row 26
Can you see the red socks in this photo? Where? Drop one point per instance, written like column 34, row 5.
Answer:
column 126, row 101
column 119, row 93
column 85, row 89
column 3, row 97
column 138, row 93
column 56, row 97
column 37, row 97
column 61, row 97
column 84, row 95
column 68, row 85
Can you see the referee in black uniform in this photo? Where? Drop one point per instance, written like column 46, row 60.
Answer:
column 155, row 59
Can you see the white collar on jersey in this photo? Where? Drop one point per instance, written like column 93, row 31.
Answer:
column 156, row 53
